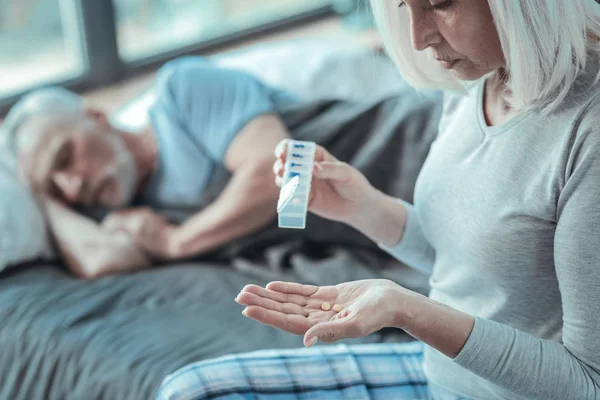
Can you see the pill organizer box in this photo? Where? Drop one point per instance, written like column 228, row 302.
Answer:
column 297, row 178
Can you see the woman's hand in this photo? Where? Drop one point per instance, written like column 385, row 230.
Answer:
column 367, row 306
column 338, row 192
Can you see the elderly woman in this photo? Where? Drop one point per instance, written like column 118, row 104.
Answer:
column 506, row 220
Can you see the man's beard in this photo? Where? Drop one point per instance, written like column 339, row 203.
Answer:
column 124, row 171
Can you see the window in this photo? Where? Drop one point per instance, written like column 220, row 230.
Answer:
column 149, row 27
column 81, row 44
column 39, row 43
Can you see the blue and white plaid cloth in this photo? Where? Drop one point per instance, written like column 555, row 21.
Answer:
column 373, row 372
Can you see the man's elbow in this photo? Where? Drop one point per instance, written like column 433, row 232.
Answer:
column 89, row 272
column 98, row 264
column 88, row 269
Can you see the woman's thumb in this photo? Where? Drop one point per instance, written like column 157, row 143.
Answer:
column 334, row 170
column 331, row 331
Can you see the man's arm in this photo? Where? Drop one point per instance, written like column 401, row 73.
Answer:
column 249, row 200
column 89, row 251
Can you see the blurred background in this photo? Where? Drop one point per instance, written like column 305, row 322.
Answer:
column 115, row 338
column 86, row 44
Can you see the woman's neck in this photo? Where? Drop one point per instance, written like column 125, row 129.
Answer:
column 495, row 108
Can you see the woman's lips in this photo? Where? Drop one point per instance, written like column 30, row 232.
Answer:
column 448, row 64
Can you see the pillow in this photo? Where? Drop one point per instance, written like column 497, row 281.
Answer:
column 312, row 69
column 23, row 233
column 318, row 68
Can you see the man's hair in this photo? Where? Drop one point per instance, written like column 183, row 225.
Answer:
column 546, row 44
column 51, row 101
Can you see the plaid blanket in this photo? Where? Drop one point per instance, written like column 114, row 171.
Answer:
column 372, row 371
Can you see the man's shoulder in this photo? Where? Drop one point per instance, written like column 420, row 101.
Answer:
column 175, row 69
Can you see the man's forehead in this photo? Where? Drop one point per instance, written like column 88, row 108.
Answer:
column 42, row 128
column 37, row 141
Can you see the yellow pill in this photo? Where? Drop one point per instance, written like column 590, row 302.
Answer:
column 337, row 308
column 325, row 306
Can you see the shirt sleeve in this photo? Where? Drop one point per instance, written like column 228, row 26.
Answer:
column 214, row 103
column 543, row 369
column 413, row 249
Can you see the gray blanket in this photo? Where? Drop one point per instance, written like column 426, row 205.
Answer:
column 118, row 337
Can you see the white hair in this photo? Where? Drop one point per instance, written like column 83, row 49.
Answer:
column 51, row 101
column 546, row 43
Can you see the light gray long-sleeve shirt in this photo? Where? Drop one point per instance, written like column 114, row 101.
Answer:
column 507, row 221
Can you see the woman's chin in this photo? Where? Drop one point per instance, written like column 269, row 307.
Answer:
column 466, row 75
column 469, row 73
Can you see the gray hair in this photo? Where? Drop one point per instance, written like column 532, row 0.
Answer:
column 546, row 44
column 49, row 101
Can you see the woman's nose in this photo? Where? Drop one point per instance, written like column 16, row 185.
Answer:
column 424, row 32
column 70, row 185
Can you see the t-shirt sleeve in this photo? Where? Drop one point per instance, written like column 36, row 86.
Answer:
column 414, row 250
column 212, row 103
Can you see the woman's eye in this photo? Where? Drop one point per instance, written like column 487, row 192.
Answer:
column 442, row 6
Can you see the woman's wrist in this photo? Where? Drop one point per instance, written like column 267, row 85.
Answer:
column 406, row 307
column 380, row 217
column 435, row 324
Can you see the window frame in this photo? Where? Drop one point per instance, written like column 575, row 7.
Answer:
column 103, row 64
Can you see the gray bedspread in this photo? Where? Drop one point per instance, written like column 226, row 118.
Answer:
column 118, row 337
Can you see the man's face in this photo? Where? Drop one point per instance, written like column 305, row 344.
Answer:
column 78, row 158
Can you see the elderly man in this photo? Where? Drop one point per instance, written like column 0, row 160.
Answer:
column 207, row 124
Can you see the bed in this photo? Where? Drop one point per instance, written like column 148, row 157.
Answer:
column 118, row 337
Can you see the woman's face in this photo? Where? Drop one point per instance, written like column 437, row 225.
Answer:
column 460, row 34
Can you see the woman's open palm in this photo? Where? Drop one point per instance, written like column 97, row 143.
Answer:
column 367, row 306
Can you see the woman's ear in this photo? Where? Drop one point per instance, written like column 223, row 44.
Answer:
column 98, row 116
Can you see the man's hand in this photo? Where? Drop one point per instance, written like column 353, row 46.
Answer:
column 89, row 251
column 150, row 231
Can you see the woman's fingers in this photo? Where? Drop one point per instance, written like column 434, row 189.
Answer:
column 251, row 299
column 281, row 149
column 322, row 155
column 293, row 288
column 275, row 295
column 278, row 172
column 278, row 168
column 334, row 170
column 292, row 323
column 332, row 331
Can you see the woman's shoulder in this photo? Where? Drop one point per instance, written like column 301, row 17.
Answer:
column 584, row 106
column 584, row 138
column 583, row 97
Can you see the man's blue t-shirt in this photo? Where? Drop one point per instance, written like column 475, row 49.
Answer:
column 199, row 110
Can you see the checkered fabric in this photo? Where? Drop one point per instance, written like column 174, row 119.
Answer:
column 373, row 372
